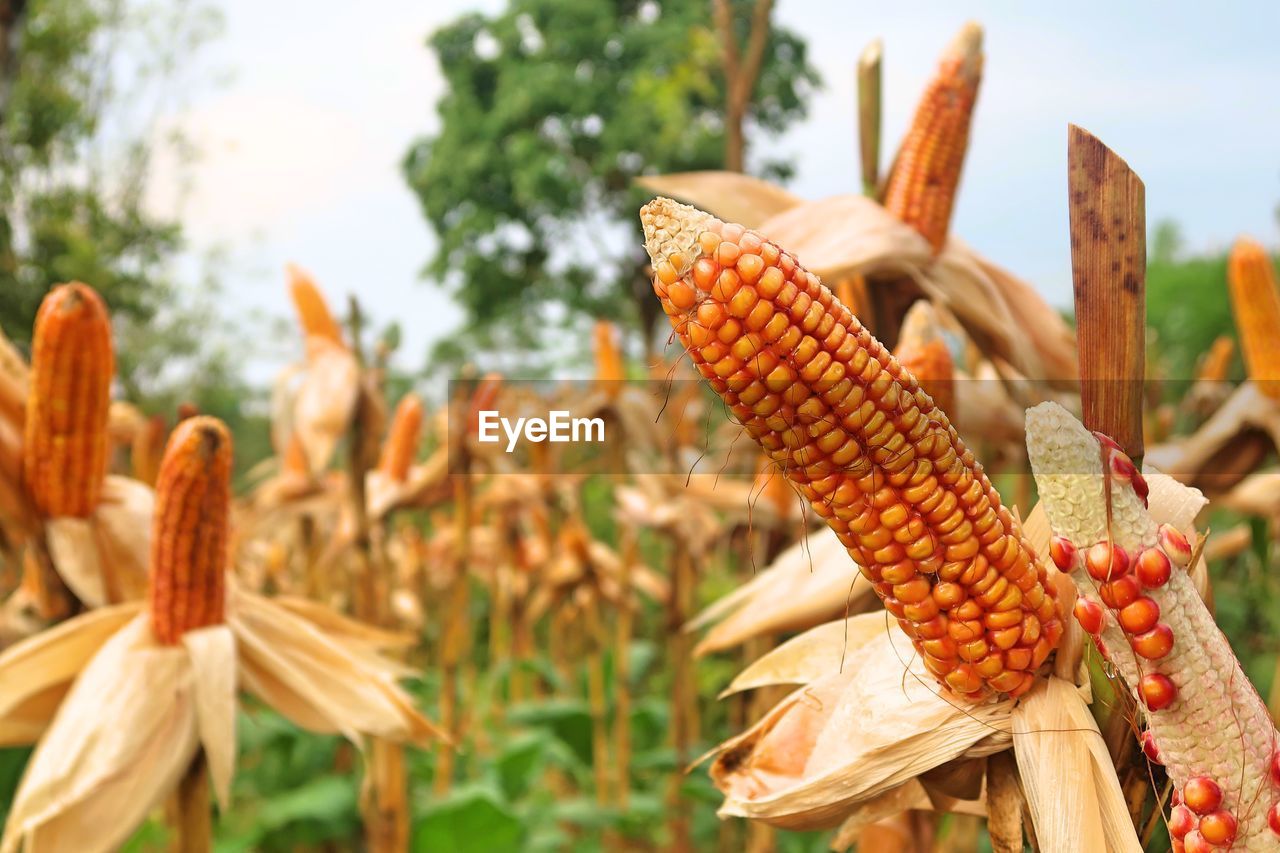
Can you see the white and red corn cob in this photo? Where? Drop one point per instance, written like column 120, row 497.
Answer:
column 864, row 444
column 1207, row 724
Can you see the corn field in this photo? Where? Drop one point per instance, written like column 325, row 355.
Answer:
column 857, row 542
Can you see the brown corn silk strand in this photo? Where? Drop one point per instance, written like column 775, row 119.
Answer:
column 64, row 452
column 189, row 531
column 864, row 444
column 922, row 186
column 401, row 446
column 1255, row 299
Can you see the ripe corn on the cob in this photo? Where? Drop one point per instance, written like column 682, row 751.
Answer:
column 922, row 186
column 401, row 446
column 189, row 532
column 1256, row 302
column 1216, row 362
column 923, row 352
column 871, row 452
column 64, row 453
column 1208, row 726
column 313, row 310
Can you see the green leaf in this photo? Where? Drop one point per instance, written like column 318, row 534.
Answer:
column 470, row 820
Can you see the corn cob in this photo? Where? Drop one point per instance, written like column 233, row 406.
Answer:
column 922, row 185
column 924, row 354
column 64, row 453
column 1256, row 301
column 609, row 367
column 401, row 446
column 313, row 311
column 1207, row 725
column 189, row 530
column 870, row 451
column 1216, row 363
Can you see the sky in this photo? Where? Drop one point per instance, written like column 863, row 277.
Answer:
column 302, row 139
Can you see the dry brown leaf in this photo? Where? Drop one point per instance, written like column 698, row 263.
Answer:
column 732, row 196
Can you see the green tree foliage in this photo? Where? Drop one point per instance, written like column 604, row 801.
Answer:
column 553, row 107
column 1188, row 308
column 80, row 91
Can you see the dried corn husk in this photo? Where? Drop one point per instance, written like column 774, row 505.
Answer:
column 116, row 745
column 847, row 235
column 809, row 583
column 103, row 558
column 738, row 197
column 851, row 734
column 326, row 400
column 1070, row 784
column 1220, row 453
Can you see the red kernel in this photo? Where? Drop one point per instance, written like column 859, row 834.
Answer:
column 1202, row 795
column 1140, row 616
column 1219, row 828
column 1194, row 842
column 1273, row 818
column 1158, row 692
column 1175, row 545
column 1090, row 615
column 1150, row 748
column 1106, row 560
column 1062, row 552
column 1121, row 592
column 1152, row 568
column 1154, row 644
column 1181, row 821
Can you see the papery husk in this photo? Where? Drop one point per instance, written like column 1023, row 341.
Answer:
column 656, row 501
column 36, row 674
column 120, row 742
column 124, row 422
column 326, row 400
column 912, row 795
column 1206, row 459
column 341, row 627
column 852, row 735
column 731, row 196
column 811, row 655
column 1257, row 495
column 847, row 235
column 317, row 681
column 103, row 559
column 809, row 583
column 1067, row 776
column 422, row 483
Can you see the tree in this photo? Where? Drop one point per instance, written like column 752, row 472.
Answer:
column 553, row 107
column 75, row 151
column 81, row 85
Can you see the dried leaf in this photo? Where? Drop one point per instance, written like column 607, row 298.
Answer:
column 316, row 680
column 36, row 672
column 811, row 582
column 213, row 656
column 732, row 196
column 1070, row 784
column 115, row 749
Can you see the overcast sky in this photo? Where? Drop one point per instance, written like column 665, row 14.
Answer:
column 303, row 144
